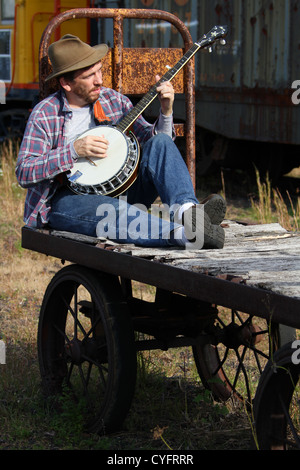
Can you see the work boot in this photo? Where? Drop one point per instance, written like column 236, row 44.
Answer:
column 199, row 230
column 215, row 208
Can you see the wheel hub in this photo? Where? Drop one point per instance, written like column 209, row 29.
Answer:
column 236, row 335
column 250, row 335
column 74, row 351
column 79, row 351
column 232, row 340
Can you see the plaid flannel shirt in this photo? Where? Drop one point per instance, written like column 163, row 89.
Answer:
column 44, row 153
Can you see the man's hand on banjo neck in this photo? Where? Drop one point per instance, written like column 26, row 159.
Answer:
column 166, row 96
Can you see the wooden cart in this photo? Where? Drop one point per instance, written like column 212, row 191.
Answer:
column 225, row 304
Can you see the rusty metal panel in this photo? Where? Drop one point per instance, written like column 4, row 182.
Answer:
column 139, row 75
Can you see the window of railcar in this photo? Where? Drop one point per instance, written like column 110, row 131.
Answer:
column 5, row 46
column 7, row 10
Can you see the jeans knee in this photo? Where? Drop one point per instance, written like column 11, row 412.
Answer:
column 160, row 140
column 159, row 145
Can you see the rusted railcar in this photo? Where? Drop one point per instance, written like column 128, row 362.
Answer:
column 247, row 98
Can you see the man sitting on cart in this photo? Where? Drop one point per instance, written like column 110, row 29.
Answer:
column 50, row 149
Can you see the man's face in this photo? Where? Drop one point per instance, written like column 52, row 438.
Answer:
column 86, row 86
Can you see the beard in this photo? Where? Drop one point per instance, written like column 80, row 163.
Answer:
column 87, row 96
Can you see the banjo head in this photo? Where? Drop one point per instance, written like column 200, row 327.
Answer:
column 103, row 168
column 106, row 175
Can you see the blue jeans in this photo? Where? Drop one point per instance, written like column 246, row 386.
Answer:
column 162, row 173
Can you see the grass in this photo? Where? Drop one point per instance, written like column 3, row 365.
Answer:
column 271, row 206
column 171, row 408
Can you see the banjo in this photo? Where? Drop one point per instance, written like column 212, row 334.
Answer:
column 115, row 173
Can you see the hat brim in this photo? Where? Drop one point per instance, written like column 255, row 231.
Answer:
column 98, row 52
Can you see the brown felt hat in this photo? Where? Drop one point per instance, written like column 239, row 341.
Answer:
column 70, row 53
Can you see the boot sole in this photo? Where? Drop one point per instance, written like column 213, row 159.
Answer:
column 202, row 233
column 215, row 208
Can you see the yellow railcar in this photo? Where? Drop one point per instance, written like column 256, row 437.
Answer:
column 22, row 23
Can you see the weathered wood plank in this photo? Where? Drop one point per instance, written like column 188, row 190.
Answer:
column 264, row 256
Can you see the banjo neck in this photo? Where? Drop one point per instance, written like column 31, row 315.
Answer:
column 208, row 39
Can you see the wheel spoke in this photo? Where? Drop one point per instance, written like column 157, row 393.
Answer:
column 242, row 367
column 92, row 329
column 74, row 313
column 256, row 355
column 103, row 380
column 62, row 333
column 70, row 370
column 221, row 363
column 83, row 380
column 221, row 322
column 235, row 313
column 239, row 367
column 94, row 362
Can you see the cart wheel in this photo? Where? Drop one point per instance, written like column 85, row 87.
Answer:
column 233, row 367
column 276, row 403
column 86, row 346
